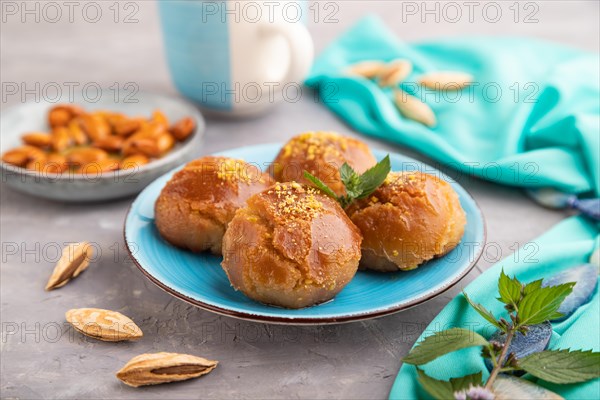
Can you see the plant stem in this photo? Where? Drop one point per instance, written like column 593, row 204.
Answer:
column 501, row 358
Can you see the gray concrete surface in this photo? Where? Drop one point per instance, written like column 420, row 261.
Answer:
column 42, row 358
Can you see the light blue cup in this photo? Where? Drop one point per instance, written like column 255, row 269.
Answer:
column 236, row 57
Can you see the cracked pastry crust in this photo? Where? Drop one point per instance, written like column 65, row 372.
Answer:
column 410, row 219
column 322, row 154
column 291, row 247
column 195, row 206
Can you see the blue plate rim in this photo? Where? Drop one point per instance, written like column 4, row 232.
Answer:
column 309, row 320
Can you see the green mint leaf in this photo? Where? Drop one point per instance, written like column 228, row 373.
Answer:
column 509, row 289
column 443, row 390
column 484, row 312
column 350, row 179
column 357, row 186
column 441, row 343
column 320, row 185
column 563, row 366
column 348, row 175
column 556, row 315
column 352, row 192
column 374, row 177
column 466, row 381
column 439, row 390
column 531, row 286
column 542, row 304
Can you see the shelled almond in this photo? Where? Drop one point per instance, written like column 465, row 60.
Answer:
column 97, row 141
column 134, row 161
column 111, row 143
column 183, row 129
column 60, row 139
column 76, row 133
column 38, row 139
column 15, row 157
column 62, row 114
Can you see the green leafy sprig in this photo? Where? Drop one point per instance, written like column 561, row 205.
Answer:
column 526, row 305
column 357, row 186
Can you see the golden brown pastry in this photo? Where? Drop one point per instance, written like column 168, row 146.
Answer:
column 409, row 219
column 321, row 154
column 292, row 246
column 195, row 206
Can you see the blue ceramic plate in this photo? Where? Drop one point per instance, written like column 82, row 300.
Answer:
column 200, row 280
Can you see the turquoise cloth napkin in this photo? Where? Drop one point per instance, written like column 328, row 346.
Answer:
column 531, row 120
column 569, row 243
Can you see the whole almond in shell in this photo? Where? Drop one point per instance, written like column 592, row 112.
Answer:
column 394, row 73
column 446, row 80
column 74, row 259
column 367, row 69
column 157, row 368
column 413, row 108
column 106, row 325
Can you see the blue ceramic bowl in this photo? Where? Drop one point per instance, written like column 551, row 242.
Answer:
column 72, row 188
column 199, row 279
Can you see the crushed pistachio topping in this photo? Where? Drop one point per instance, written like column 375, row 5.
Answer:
column 315, row 145
column 401, row 178
column 296, row 201
column 231, row 170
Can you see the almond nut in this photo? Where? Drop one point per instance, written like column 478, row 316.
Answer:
column 33, row 153
column 367, row 69
column 164, row 143
column 127, row 127
column 55, row 163
column 134, row 161
column 446, row 80
column 85, row 155
column 15, row 157
column 156, row 368
column 58, row 117
column 413, row 108
column 183, row 128
column 95, row 126
column 100, row 166
column 148, row 144
column 110, row 143
column 37, row 139
column 77, row 134
column 394, row 73
column 60, row 139
column 62, row 114
column 106, row 325
column 160, row 118
column 74, row 259
column 36, row 165
column 113, row 118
